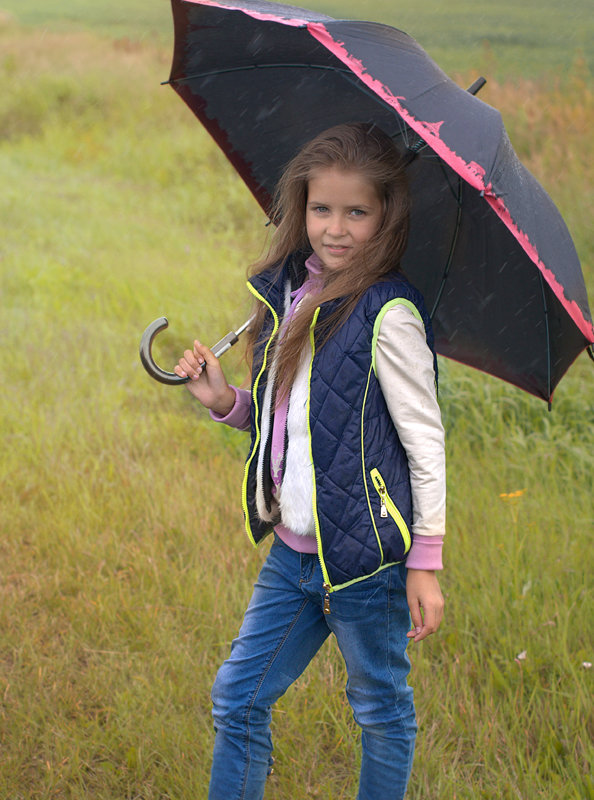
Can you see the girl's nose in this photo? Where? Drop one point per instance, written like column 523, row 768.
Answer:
column 336, row 225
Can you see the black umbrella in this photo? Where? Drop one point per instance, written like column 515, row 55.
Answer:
column 488, row 248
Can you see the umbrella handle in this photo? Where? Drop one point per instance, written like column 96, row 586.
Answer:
column 170, row 378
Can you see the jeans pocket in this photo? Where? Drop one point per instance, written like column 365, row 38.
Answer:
column 363, row 599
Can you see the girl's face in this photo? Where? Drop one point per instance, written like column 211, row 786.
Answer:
column 342, row 213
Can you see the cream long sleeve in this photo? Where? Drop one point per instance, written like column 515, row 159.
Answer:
column 404, row 367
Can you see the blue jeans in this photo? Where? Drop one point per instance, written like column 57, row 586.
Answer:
column 283, row 628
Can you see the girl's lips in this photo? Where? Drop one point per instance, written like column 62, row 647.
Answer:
column 335, row 248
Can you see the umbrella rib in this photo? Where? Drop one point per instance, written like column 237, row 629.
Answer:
column 455, row 193
column 247, row 67
column 355, row 81
column 448, row 265
column 345, row 73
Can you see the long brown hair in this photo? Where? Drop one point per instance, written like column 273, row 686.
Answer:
column 354, row 146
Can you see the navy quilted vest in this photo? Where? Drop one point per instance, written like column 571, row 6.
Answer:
column 362, row 496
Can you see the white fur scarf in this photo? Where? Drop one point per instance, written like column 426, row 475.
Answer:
column 295, row 495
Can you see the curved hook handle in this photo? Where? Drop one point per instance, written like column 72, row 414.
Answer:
column 146, row 355
column 171, row 378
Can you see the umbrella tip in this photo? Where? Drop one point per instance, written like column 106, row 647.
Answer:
column 475, row 87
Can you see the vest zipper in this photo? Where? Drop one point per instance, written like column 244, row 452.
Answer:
column 254, row 450
column 383, row 507
column 327, row 583
column 389, row 508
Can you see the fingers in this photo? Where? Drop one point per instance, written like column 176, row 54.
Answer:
column 416, row 619
column 193, row 362
column 203, row 354
column 425, row 622
column 189, row 366
column 419, row 630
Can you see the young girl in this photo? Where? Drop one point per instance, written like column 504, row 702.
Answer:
column 346, row 464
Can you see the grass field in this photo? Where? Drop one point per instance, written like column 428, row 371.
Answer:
column 506, row 38
column 123, row 567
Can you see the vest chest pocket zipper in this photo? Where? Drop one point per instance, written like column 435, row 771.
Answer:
column 388, row 507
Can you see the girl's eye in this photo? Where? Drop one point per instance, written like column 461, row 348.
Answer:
column 357, row 212
column 320, row 209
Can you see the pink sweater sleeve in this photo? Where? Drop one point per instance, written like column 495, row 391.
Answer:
column 239, row 416
column 425, row 552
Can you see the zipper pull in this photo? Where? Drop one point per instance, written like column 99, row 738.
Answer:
column 383, row 507
column 381, row 490
column 326, row 600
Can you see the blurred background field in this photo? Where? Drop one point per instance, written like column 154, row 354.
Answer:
column 528, row 38
column 123, row 567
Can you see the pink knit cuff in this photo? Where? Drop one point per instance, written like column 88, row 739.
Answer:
column 239, row 416
column 425, row 552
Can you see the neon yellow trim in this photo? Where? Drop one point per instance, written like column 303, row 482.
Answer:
column 363, row 577
column 312, row 342
column 364, row 469
column 244, row 505
column 397, row 301
column 391, row 507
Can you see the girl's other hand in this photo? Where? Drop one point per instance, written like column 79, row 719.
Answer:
column 208, row 385
column 425, row 602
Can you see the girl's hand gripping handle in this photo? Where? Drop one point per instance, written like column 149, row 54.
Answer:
column 171, row 378
column 207, row 380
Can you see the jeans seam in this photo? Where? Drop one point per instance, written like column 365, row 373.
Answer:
column 389, row 632
column 259, row 686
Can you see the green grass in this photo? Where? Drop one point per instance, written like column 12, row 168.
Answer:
column 124, row 570
column 132, row 18
column 506, row 39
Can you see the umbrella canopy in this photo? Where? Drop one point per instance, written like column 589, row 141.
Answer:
column 488, row 248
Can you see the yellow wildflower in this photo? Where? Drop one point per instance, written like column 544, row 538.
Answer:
column 509, row 495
